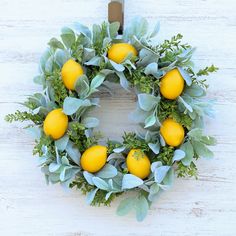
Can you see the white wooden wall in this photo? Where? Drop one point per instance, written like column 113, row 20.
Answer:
column 203, row 207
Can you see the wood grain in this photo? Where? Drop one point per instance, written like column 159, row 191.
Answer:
column 206, row 206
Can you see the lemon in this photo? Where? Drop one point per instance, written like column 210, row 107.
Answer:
column 55, row 124
column 172, row 84
column 119, row 51
column 70, row 72
column 172, row 132
column 138, row 163
column 94, row 158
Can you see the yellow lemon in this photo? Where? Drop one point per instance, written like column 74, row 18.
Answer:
column 70, row 72
column 119, row 51
column 172, row 84
column 55, row 124
column 138, row 163
column 94, row 158
column 172, row 132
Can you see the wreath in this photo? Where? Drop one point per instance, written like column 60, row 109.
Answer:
column 171, row 105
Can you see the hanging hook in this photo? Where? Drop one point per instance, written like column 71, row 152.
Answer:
column 116, row 13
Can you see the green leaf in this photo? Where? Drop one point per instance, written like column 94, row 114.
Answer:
column 35, row 132
column 88, row 54
column 82, row 86
column 187, row 106
column 185, row 76
column 152, row 69
column 95, row 61
column 154, row 189
column 71, row 105
column 150, row 121
column 97, row 80
column 73, row 152
column 155, row 30
column 155, row 147
column 147, row 102
column 100, row 183
column 188, row 149
column 113, row 29
column 131, row 181
column 91, row 195
column 83, row 30
column 178, row 155
column 61, row 57
column 53, row 167
column 55, row 43
column 141, row 208
column 89, row 177
column 202, row 150
column 117, row 67
column 169, row 178
column 160, row 173
column 90, row 122
column 62, row 143
column 108, row 171
column 39, row 79
column 123, row 81
column 125, row 206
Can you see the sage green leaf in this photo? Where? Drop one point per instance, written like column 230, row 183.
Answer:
column 83, row 30
column 91, row 195
column 62, row 143
column 185, row 76
column 178, row 155
column 54, row 167
column 155, row 147
column 117, row 67
column 88, row 54
column 61, row 57
column 34, row 131
column 71, row 105
column 82, row 86
column 113, row 29
column 108, row 171
column 43, row 59
column 208, row 140
column 155, row 165
column 73, row 152
column 123, row 81
column 195, row 91
column 125, row 206
column 202, row 150
column 187, row 106
column 62, row 174
column 155, row 30
column 147, row 101
column 195, row 133
column 152, row 69
column 141, row 208
column 55, row 43
column 39, row 79
column 188, row 149
column 49, row 64
column 95, row 61
column 150, row 121
column 65, row 161
column 97, row 80
column 100, row 183
column 154, row 189
column 131, row 181
column 119, row 149
column 90, row 122
column 160, row 173
column 89, row 177
column 108, row 195
column 169, row 178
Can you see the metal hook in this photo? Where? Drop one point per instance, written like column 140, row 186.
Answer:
column 116, row 13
